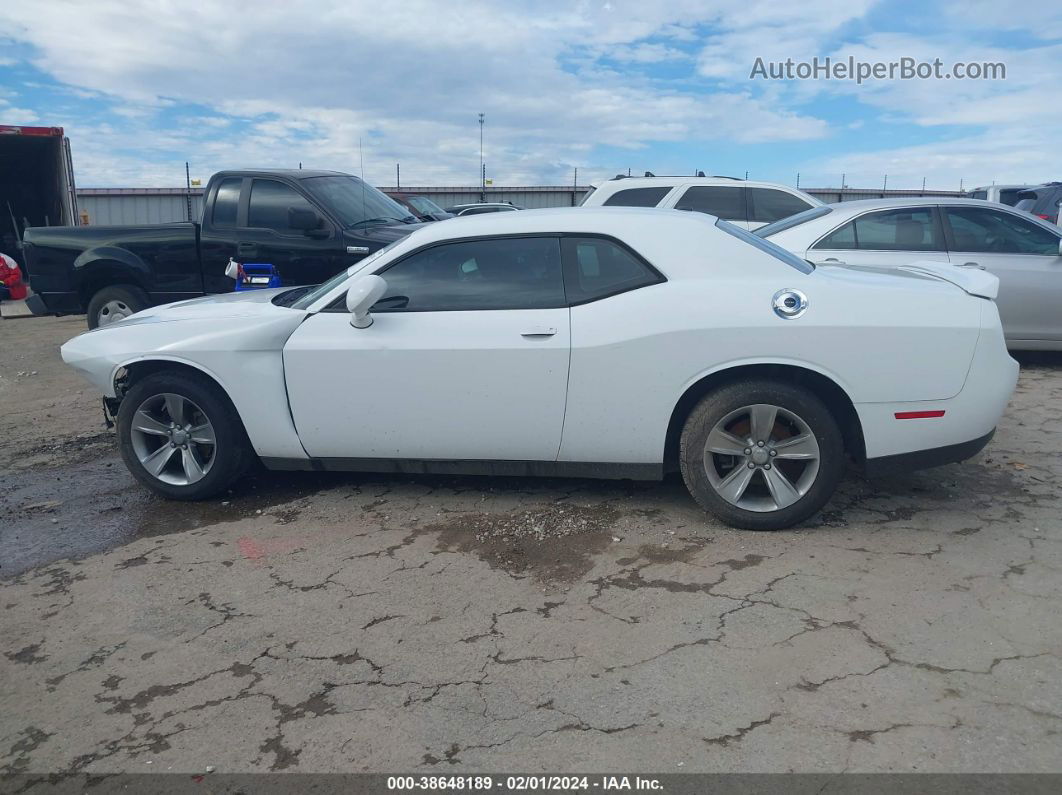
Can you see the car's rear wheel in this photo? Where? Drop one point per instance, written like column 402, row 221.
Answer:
column 112, row 304
column 180, row 436
column 761, row 455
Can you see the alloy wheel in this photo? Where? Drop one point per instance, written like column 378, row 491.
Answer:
column 173, row 439
column 761, row 457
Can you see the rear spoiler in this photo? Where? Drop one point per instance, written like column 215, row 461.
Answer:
column 974, row 281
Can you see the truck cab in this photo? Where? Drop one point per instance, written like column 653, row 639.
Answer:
column 306, row 225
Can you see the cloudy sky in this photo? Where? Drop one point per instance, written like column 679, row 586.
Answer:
column 601, row 86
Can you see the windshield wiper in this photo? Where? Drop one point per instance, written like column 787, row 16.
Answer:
column 374, row 221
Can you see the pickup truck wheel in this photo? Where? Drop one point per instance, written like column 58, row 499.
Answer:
column 115, row 303
column 180, row 436
column 761, row 455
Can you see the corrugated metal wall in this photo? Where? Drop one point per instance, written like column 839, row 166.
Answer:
column 131, row 206
column 120, row 207
column 531, row 197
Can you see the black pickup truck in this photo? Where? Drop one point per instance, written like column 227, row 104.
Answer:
column 308, row 225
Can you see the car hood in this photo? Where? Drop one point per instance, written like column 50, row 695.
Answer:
column 246, row 303
column 382, row 234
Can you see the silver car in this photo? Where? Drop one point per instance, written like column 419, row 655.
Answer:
column 1023, row 251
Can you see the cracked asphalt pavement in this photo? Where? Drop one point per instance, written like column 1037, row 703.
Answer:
column 385, row 623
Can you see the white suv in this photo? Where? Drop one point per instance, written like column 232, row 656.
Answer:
column 749, row 205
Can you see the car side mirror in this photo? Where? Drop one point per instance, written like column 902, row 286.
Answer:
column 363, row 293
column 303, row 220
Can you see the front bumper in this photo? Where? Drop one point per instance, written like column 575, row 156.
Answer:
column 36, row 305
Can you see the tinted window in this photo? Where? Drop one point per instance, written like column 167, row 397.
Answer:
column 989, row 231
column 595, row 268
column 516, row 273
column 840, row 238
column 909, row 229
column 721, row 201
column 1009, row 196
column 269, row 205
column 767, row 205
column 979, row 194
column 638, row 197
column 226, row 202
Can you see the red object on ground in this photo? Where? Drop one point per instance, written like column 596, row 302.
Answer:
column 11, row 278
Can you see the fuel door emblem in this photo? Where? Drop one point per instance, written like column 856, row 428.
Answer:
column 789, row 303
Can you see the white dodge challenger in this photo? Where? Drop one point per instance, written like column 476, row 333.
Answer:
column 606, row 342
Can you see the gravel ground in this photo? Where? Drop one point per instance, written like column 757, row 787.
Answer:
column 367, row 623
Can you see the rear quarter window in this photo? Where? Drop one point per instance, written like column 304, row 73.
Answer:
column 638, row 197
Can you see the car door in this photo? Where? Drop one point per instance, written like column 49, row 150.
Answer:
column 614, row 363
column 299, row 257
column 728, row 202
column 1025, row 257
column 884, row 238
column 466, row 358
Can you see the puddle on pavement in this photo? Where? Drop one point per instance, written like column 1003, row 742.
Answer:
column 553, row 543
column 83, row 509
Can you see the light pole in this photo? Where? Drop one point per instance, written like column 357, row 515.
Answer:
column 482, row 173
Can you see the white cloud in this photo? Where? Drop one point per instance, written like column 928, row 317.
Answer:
column 408, row 79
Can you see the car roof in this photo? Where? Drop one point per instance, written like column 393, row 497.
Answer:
column 1000, row 186
column 290, row 173
column 646, row 182
column 553, row 220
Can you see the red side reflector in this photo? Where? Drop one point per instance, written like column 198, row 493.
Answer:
column 918, row 415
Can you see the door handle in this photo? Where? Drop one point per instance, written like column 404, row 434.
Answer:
column 247, row 249
column 972, row 265
column 832, row 260
column 541, row 331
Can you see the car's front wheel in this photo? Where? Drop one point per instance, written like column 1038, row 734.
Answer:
column 180, row 436
column 761, row 455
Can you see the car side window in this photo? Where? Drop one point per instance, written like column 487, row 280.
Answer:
column 722, row 201
column 226, row 203
column 638, row 197
column 989, row 231
column 908, row 229
column 767, row 205
column 843, row 237
column 500, row 273
column 269, row 205
column 597, row 267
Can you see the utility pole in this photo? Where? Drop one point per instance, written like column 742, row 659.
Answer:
column 575, row 184
column 482, row 168
column 885, row 183
column 187, row 191
column 923, row 184
column 398, row 176
column 798, row 179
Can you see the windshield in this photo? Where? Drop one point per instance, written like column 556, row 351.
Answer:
column 793, row 220
column 355, row 202
column 423, row 205
column 325, row 288
column 776, row 251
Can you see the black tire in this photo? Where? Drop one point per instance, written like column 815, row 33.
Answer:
column 232, row 453
column 126, row 295
column 725, row 401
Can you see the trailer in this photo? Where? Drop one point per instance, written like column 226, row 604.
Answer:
column 36, row 183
